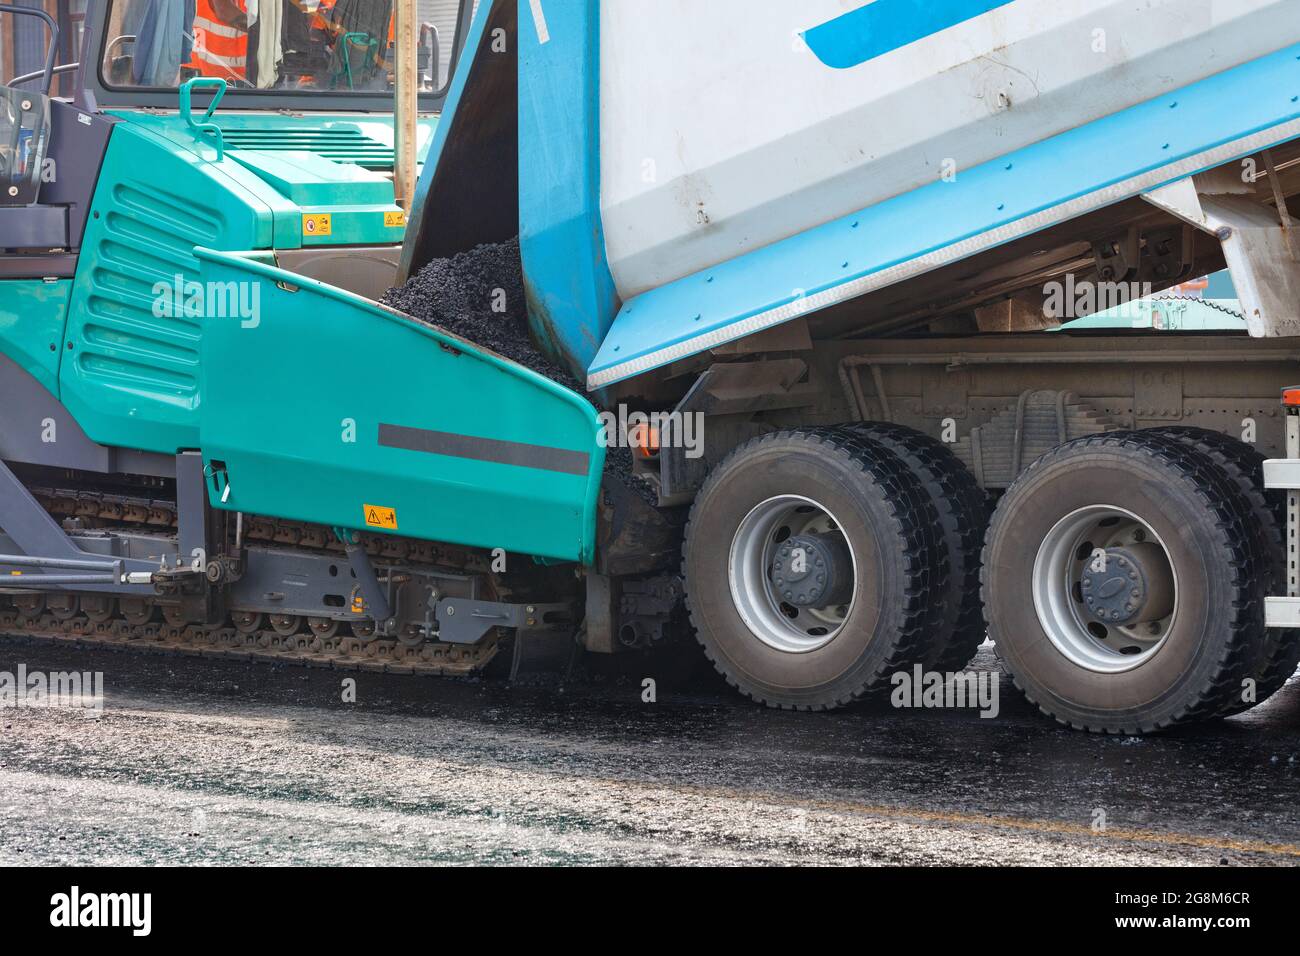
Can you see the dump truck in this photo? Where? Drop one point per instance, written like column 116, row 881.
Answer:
column 808, row 275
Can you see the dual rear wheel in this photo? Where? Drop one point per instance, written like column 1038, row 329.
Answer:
column 1122, row 577
column 1124, row 582
column 819, row 561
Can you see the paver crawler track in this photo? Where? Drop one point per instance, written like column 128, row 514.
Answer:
column 344, row 651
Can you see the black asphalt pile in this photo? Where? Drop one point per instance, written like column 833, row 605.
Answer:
column 618, row 464
column 479, row 296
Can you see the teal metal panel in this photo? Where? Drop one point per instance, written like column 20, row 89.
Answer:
column 366, row 140
column 33, row 313
column 328, row 403
column 298, row 165
column 129, row 375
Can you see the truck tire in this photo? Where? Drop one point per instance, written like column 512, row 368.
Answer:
column 813, row 568
column 963, row 512
column 1277, row 649
column 1146, row 512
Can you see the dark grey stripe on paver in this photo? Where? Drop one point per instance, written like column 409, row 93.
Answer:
column 485, row 449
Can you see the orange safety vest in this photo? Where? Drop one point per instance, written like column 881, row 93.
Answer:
column 320, row 19
column 219, row 49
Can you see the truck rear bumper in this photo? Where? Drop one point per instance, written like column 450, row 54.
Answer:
column 1282, row 611
column 1283, row 474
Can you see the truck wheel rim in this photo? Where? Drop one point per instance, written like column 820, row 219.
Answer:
column 1104, row 538
column 757, row 546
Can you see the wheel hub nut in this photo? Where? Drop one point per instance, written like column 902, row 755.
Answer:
column 1128, row 585
column 813, row 571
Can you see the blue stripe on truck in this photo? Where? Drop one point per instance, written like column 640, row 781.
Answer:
column 887, row 25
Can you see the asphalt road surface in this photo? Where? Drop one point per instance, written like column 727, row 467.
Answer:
column 206, row 761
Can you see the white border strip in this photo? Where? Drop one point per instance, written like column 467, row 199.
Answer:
column 950, row 254
column 539, row 21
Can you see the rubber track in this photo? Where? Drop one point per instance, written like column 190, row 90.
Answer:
column 342, row 652
column 1279, row 648
column 1207, row 481
column 963, row 514
column 915, row 526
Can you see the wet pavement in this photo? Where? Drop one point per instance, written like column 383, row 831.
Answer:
column 206, row 761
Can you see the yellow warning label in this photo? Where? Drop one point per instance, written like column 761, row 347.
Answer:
column 385, row 518
column 394, row 220
column 316, row 224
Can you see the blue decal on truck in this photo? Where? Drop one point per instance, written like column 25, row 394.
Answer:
column 888, row 25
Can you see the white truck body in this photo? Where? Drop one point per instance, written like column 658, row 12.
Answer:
column 722, row 131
